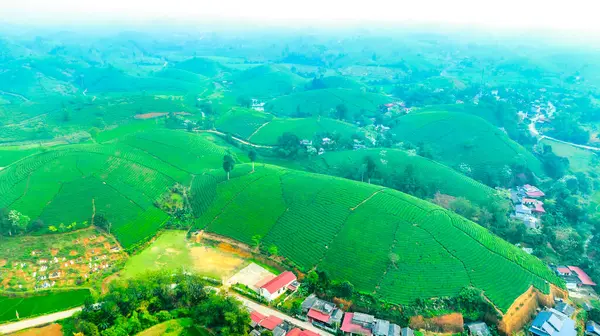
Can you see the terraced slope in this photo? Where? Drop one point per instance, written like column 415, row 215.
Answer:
column 460, row 138
column 266, row 81
column 304, row 128
column 425, row 171
column 350, row 229
column 324, row 101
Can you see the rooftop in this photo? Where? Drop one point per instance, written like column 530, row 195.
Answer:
column 350, row 327
column 478, row 329
column 270, row 322
column 585, row 279
column 279, row 282
column 553, row 323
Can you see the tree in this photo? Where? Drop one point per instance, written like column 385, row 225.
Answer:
column 244, row 101
column 341, row 111
column 594, row 315
column 273, row 250
column 252, row 156
column 101, row 222
column 394, row 258
column 312, row 280
column 345, row 289
column 256, row 240
column 370, row 167
column 228, row 164
column 18, row 222
column 288, row 145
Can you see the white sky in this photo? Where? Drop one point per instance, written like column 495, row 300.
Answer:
column 565, row 15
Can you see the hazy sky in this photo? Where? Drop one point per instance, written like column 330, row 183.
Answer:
column 579, row 15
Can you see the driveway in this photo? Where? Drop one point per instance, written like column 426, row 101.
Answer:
column 37, row 321
column 269, row 311
column 252, row 276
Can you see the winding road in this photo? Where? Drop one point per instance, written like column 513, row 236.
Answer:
column 533, row 130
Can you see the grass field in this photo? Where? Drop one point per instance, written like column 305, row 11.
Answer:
column 460, row 138
column 171, row 251
column 266, row 81
column 304, row 128
column 242, row 122
column 324, row 102
column 179, row 327
column 580, row 160
column 427, row 172
column 40, row 304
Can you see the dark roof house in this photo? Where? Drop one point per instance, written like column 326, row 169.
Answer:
column 565, row 309
column 553, row 323
column 407, row 332
column 592, row 329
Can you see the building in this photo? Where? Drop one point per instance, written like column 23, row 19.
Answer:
column 322, row 313
column 574, row 276
column 592, row 329
column 364, row 324
column 278, row 285
column 535, row 205
column 565, row 308
column 532, row 191
column 298, row 332
column 478, row 329
column 553, row 323
column 270, row 322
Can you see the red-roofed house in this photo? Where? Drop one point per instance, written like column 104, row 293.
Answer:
column 532, row 191
column 318, row 316
column 583, row 277
column 274, row 288
column 270, row 322
column 352, row 327
column 256, row 317
column 563, row 271
column 298, row 332
column 535, row 205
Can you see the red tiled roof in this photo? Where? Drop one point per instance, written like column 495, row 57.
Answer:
column 308, row 333
column 294, row 332
column 270, row 322
column 256, row 316
column 585, row 279
column 539, row 207
column 563, row 270
column 279, row 282
column 536, row 193
column 350, row 327
column 317, row 315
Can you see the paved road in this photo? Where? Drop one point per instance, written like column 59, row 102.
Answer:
column 37, row 321
column 269, row 311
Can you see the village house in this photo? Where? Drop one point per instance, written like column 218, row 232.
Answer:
column 278, row 285
column 565, row 308
column 478, row 329
column 592, row 329
column 322, row 313
column 365, row 324
column 551, row 322
column 528, row 208
column 256, row 105
column 574, row 277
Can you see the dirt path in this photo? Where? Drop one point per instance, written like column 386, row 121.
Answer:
column 37, row 321
column 268, row 311
column 14, row 95
column 258, row 129
column 234, row 138
column 367, row 199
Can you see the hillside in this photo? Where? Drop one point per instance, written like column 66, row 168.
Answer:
column 241, row 122
column 324, row 101
column 347, row 228
column 304, row 128
column 266, row 81
column 460, row 138
column 426, row 172
column 202, row 66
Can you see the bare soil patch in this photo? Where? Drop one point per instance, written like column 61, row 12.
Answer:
column 3, row 262
column 212, row 261
column 152, row 115
column 54, row 329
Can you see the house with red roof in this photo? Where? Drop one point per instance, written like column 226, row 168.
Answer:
column 357, row 324
column 278, row 285
column 270, row 322
column 574, row 276
column 322, row 313
column 584, row 279
column 535, row 205
column 533, row 191
column 299, row 332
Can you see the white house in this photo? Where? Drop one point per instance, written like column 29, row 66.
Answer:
column 277, row 286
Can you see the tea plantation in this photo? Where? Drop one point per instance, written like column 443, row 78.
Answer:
column 347, row 228
column 40, row 304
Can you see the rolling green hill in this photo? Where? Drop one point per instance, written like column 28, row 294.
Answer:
column 266, row 81
column 426, row 172
column 460, row 138
column 324, row 101
column 304, row 128
column 241, row 122
column 347, row 228
column 202, row 66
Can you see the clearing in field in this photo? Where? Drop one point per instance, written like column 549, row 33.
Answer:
column 179, row 327
column 53, row 329
column 172, row 251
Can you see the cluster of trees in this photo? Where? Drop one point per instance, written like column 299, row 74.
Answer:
column 13, row 223
column 137, row 304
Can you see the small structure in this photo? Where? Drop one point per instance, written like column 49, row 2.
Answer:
column 256, row 318
column 533, row 191
column 298, row 332
column 553, row 323
column 565, row 308
column 270, row 322
column 407, row 332
column 277, row 286
column 478, row 329
column 357, row 324
column 592, row 329
column 536, row 206
column 574, row 276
